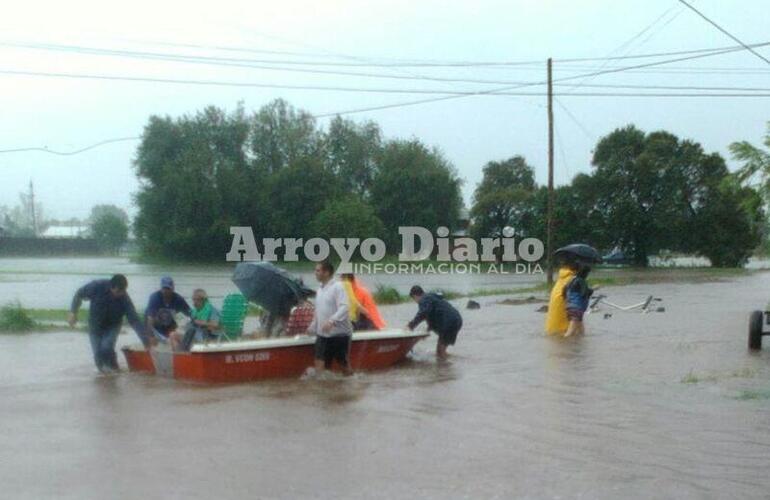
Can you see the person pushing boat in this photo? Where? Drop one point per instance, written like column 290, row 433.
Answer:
column 109, row 304
column 441, row 317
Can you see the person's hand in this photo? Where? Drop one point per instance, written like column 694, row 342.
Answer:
column 72, row 319
column 327, row 327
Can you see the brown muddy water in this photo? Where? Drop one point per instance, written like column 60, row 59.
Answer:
column 663, row 405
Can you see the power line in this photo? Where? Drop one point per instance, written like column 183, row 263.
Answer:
column 701, row 14
column 375, row 90
column 70, row 153
column 577, row 122
column 183, row 57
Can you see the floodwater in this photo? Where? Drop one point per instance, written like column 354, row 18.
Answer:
column 662, row 405
column 23, row 278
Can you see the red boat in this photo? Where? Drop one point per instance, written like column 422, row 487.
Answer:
column 246, row 360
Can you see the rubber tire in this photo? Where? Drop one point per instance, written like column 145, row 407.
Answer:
column 755, row 330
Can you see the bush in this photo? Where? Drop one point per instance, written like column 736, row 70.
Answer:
column 387, row 295
column 14, row 319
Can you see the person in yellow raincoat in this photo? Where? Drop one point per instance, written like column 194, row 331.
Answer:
column 363, row 311
column 556, row 322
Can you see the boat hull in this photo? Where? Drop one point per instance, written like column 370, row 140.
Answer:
column 249, row 360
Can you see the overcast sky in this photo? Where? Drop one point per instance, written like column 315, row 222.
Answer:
column 67, row 114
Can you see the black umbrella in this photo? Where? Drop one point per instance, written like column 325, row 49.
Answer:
column 580, row 251
column 270, row 286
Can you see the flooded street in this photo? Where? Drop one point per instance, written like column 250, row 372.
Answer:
column 663, row 405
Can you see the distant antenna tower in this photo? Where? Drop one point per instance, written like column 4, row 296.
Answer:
column 32, row 207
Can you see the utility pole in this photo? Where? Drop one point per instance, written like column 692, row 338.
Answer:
column 32, row 208
column 549, row 229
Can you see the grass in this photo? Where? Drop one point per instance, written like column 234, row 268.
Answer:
column 388, row 295
column 14, row 319
column 750, row 395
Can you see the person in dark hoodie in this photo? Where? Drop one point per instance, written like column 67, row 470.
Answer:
column 109, row 304
column 441, row 317
column 577, row 294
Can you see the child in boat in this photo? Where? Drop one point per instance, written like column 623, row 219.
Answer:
column 577, row 294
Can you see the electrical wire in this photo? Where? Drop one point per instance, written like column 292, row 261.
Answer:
column 734, row 38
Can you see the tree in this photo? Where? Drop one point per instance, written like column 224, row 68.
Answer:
column 110, row 231
column 503, row 197
column 297, row 194
column 97, row 211
column 728, row 227
column 414, row 186
column 649, row 185
column 352, row 151
column 281, row 135
column 577, row 216
column 347, row 217
column 756, row 164
column 195, row 184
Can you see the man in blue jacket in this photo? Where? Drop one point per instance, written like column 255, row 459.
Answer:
column 441, row 317
column 109, row 303
column 161, row 309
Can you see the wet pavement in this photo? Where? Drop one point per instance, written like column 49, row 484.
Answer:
column 662, row 405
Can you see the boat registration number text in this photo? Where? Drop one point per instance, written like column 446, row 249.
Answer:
column 247, row 357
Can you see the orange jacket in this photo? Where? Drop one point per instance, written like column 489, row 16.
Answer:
column 367, row 302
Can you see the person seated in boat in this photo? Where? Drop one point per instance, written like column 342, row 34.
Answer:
column 203, row 325
column 441, row 317
column 363, row 311
column 161, row 309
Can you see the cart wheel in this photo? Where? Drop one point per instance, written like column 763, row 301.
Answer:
column 755, row 330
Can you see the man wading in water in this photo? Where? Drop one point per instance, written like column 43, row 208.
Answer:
column 109, row 303
column 441, row 316
column 331, row 323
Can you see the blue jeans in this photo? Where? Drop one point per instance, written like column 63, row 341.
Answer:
column 103, row 345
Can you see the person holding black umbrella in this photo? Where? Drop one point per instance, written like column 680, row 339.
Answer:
column 565, row 308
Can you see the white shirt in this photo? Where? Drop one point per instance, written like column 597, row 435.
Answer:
column 331, row 304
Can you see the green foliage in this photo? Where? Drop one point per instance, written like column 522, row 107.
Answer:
column 652, row 189
column 276, row 172
column 281, row 135
column 756, row 164
column 352, row 153
column 14, row 319
column 737, row 213
column 347, row 217
column 504, row 197
column 196, row 183
column 414, row 186
column 388, row 295
column 110, row 231
column 97, row 211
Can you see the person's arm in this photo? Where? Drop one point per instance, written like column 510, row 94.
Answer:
column 213, row 322
column 424, row 308
column 312, row 327
column 149, row 313
column 136, row 323
column 86, row 292
column 182, row 306
column 341, row 303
